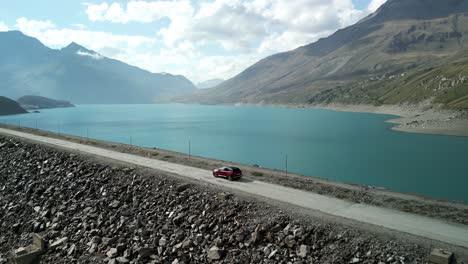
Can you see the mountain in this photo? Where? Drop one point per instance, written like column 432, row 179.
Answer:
column 78, row 74
column 10, row 107
column 209, row 83
column 33, row 102
column 403, row 37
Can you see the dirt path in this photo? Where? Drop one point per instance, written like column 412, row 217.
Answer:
column 436, row 229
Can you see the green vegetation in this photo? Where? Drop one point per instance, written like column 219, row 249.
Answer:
column 257, row 174
column 446, row 84
column 168, row 156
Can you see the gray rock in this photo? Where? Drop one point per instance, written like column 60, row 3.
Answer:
column 93, row 248
column 145, row 252
column 303, row 251
column 187, row 244
column 256, row 236
column 214, row 253
column 115, row 204
column 71, row 250
column 122, row 260
column 112, row 253
column 163, row 242
column 298, row 232
column 58, row 243
column 96, row 240
column 121, row 247
column 218, row 242
column 224, row 195
column 289, row 241
column 182, row 187
column 272, row 254
column 122, row 215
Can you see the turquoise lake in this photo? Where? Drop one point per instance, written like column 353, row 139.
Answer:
column 346, row 147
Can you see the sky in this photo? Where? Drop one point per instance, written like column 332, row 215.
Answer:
column 200, row 39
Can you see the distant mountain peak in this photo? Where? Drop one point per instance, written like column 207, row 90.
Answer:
column 402, row 36
column 418, row 9
column 75, row 47
column 14, row 32
column 29, row 67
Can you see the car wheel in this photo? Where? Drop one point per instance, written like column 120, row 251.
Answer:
column 215, row 175
column 230, row 178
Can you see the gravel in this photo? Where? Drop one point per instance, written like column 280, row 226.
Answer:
column 91, row 212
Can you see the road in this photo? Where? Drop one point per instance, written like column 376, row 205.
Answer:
column 455, row 234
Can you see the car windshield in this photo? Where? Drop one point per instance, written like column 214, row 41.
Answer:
column 236, row 170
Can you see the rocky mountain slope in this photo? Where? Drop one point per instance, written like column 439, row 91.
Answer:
column 32, row 102
column 445, row 84
column 10, row 107
column 402, row 37
column 77, row 74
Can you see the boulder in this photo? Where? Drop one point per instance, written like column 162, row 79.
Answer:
column 214, row 253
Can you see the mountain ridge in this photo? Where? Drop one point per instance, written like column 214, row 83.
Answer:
column 78, row 74
column 31, row 102
column 402, row 36
column 10, row 107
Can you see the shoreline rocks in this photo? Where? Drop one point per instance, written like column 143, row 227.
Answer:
column 92, row 212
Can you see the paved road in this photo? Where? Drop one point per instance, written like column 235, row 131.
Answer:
column 455, row 234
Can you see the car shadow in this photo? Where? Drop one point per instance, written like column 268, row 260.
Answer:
column 246, row 180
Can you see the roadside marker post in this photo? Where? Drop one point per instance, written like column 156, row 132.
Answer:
column 286, row 165
column 189, row 149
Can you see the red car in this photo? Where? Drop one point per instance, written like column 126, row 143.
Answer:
column 230, row 173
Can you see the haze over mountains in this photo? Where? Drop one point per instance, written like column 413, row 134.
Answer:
column 77, row 74
column 209, row 83
column 33, row 102
column 402, row 40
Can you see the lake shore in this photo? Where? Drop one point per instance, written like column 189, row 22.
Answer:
column 424, row 118
column 453, row 211
column 421, row 119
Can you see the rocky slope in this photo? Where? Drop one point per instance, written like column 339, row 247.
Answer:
column 445, row 85
column 10, row 107
column 402, row 36
column 89, row 212
column 78, row 74
column 32, row 102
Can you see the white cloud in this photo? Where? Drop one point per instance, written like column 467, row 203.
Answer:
column 236, row 25
column 33, row 27
column 52, row 36
column 138, row 11
column 375, row 4
column 3, row 26
column 95, row 56
column 213, row 39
